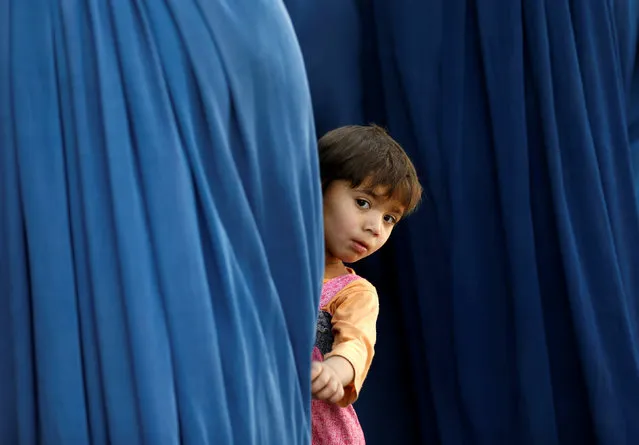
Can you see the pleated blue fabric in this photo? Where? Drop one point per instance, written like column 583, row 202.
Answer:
column 161, row 247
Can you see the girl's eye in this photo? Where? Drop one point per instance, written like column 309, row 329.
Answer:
column 362, row 203
column 390, row 219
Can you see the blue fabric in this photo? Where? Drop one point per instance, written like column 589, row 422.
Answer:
column 161, row 247
column 509, row 301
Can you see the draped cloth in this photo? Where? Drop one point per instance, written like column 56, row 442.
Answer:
column 509, row 301
column 161, row 248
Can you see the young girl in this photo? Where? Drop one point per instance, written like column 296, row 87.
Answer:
column 369, row 185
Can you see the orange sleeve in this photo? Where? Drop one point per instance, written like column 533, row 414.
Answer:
column 355, row 309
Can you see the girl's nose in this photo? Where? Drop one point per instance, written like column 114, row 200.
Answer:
column 374, row 225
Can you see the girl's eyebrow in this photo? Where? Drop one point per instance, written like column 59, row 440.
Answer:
column 370, row 192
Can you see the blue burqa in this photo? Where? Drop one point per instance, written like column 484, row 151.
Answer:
column 161, row 246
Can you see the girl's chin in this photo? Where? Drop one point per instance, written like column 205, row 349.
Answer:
column 350, row 259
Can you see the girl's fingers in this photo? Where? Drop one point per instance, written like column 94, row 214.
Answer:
column 320, row 382
column 329, row 390
column 316, row 370
column 324, row 385
column 339, row 395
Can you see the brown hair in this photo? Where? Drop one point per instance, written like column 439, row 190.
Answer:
column 369, row 154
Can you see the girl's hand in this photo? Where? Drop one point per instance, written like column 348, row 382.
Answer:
column 325, row 383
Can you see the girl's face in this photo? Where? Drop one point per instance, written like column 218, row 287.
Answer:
column 357, row 221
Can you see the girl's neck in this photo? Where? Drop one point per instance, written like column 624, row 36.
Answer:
column 334, row 268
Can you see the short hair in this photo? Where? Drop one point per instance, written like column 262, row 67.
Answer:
column 359, row 154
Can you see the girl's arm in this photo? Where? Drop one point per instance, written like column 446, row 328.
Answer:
column 355, row 309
